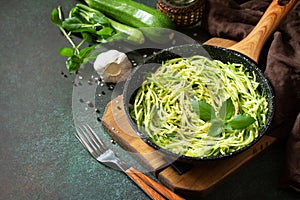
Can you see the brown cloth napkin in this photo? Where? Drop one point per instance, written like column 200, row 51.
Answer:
column 234, row 20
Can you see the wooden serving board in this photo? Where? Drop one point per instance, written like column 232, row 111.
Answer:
column 201, row 177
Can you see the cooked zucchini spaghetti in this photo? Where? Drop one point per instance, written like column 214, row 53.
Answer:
column 162, row 105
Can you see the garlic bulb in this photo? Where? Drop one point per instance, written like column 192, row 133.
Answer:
column 113, row 66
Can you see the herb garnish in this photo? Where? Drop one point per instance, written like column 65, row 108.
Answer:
column 76, row 54
column 224, row 119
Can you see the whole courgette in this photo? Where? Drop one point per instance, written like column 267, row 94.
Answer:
column 134, row 14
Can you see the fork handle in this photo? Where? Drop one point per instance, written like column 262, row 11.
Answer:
column 144, row 186
column 150, row 186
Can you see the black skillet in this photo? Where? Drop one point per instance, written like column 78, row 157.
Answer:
column 246, row 52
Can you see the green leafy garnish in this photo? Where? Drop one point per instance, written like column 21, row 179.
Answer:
column 81, row 20
column 66, row 51
column 224, row 119
column 227, row 109
column 205, row 111
column 216, row 127
column 56, row 17
column 240, row 121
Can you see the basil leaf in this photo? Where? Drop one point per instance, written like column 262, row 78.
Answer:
column 55, row 17
column 227, row 109
column 195, row 107
column 95, row 18
column 74, row 24
column 73, row 63
column 106, row 32
column 66, row 51
column 87, row 37
column 216, row 127
column 205, row 111
column 85, row 52
column 89, row 15
column 240, row 121
column 227, row 126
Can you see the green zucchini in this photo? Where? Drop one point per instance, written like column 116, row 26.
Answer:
column 135, row 14
column 132, row 35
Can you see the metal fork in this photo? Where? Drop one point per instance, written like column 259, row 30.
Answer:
column 101, row 153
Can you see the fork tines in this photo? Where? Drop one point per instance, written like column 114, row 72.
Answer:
column 90, row 140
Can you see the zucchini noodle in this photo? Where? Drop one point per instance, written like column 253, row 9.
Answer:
column 162, row 105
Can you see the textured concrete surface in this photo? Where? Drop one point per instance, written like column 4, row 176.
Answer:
column 39, row 156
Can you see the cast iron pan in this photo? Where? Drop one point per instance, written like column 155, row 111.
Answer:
column 245, row 52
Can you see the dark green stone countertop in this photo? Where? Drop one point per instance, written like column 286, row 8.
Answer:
column 40, row 156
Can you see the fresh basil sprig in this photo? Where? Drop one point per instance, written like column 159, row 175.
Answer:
column 89, row 25
column 224, row 119
column 76, row 54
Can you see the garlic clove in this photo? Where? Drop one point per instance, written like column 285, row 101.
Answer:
column 113, row 66
column 113, row 69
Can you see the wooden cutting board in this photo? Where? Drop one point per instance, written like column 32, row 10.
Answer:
column 200, row 178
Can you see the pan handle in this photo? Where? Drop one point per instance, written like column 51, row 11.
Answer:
column 253, row 43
